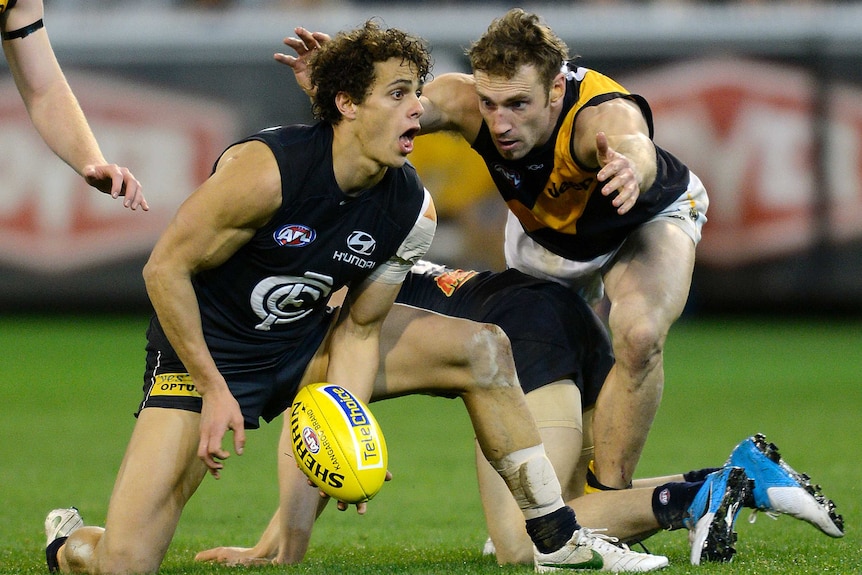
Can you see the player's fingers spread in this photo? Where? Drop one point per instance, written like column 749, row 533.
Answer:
column 602, row 146
column 361, row 508
column 615, row 185
column 321, row 38
column 312, row 40
column 296, row 44
column 388, row 476
column 306, row 37
column 623, row 209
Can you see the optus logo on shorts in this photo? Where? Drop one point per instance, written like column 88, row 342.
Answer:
column 174, row 384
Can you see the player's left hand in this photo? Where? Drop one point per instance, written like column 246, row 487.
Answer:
column 619, row 173
column 118, row 182
column 232, row 556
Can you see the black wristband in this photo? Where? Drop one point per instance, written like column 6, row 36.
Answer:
column 22, row 32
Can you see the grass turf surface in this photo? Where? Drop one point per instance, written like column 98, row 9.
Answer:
column 69, row 386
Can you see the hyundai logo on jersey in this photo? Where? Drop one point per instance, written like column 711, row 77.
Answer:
column 294, row 235
column 361, row 243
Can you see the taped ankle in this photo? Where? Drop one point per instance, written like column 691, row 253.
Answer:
column 530, row 477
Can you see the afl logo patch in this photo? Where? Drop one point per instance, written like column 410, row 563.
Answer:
column 294, row 235
column 664, row 496
column 310, row 440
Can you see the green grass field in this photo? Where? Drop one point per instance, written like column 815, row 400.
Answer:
column 69, row 386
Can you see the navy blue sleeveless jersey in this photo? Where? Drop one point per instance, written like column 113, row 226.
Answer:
column 554, row 333
column 269, row 300
column 275, row 288
column 558, row 200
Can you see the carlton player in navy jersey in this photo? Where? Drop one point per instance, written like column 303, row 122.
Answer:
column 52, row 106
column 593, row 203
column 240, row 283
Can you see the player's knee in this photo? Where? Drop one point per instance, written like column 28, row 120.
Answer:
column 489, row 356
column 129, row 558
column 78, row 554
column 638, row 346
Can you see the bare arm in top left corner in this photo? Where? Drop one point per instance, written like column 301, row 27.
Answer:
column 53, row 107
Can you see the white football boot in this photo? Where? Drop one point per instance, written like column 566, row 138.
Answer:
column 589, row 550
column 61, row 523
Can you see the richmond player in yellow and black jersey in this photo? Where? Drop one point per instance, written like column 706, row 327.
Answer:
column 593, row 204
column 554, row 194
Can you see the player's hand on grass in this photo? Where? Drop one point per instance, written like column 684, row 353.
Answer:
column 232, row 556
column 305, row 43
column 219, row 414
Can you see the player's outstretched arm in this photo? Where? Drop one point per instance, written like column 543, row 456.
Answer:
column 614, row 137
column 449, row 101
column 450, row 104
column 53, row 107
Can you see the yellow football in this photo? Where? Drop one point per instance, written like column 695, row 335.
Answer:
column 337, row 442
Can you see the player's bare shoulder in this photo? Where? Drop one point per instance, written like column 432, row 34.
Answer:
column 250, row 173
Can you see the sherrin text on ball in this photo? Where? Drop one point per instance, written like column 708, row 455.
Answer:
column 337, row 442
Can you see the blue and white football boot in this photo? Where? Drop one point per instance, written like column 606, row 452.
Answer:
column 778, row 488
column 711, row 516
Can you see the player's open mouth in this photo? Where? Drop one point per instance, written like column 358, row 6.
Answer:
column 406, row 140
column 506, row 145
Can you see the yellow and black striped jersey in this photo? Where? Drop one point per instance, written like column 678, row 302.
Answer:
column 554, row 196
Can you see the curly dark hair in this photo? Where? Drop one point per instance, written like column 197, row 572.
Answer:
column 346, row 64
column 518, row 39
